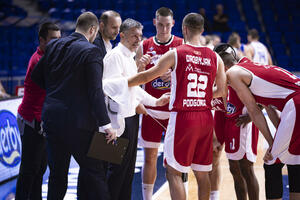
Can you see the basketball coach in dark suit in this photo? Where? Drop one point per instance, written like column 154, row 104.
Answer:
column 74, row 107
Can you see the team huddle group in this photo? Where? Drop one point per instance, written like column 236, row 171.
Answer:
column 202, row 93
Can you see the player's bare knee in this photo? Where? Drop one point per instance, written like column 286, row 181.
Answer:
column 234, row 168
column 150, row 153
column 247, row 172
column 246, row 168
column 202, row 176
column 172, row 173
column 150, row 161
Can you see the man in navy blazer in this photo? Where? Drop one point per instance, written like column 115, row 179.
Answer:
column 74, row 107
column 109, row 27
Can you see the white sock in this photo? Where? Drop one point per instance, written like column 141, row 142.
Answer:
column 186, row 188
column 214, row 195
column 147, row 190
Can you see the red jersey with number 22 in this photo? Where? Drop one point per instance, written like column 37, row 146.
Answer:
column 193, row 78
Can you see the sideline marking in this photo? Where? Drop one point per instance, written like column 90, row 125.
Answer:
column 160, row 190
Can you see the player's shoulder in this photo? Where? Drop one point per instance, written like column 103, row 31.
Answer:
column 177, row 39
column 209, row 50
column 234, row 70
column 148, row 40
column 196, row 48
column 237, row 72
column 183, row 47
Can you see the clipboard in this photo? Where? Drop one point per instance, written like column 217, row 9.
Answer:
column 112, row 153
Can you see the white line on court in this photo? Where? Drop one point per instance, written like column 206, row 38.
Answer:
column 161, row 190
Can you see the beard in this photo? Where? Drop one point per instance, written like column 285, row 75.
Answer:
column 112, row 37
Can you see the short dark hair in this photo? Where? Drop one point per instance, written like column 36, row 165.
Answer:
column 194, row 22
column 227, row 53
column 129, row 24
column 86, row 20
column 253, row 33
column 46, row 27
column 164, row 12
column 106, row 14
column 227, row 58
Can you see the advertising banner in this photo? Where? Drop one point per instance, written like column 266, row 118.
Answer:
column 10, row 141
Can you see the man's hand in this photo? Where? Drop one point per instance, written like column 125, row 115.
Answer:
column 110, row 135
column 166, row 77
column 243, row 120
column 140, row 109
column 268, row 156
column 143, row 62
column 163, row 100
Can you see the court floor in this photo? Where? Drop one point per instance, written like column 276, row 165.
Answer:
column 227, row 188
column 161, row 189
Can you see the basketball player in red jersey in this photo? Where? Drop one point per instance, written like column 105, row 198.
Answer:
column 275, row 88
column 151, row 132
column 240, row 142
column 188, row 142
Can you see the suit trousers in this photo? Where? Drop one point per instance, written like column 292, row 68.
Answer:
column 120, row 176
column 33, row 164
column 92, row 173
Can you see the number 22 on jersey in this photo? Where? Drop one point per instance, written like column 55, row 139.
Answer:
column 197, row 85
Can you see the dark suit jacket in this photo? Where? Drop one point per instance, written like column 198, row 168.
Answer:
column 71, row 72
column 99, row 43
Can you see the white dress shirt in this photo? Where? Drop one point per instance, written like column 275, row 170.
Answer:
column 108, row 45
column 119, row 65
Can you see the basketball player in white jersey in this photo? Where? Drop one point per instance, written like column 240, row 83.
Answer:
column 257, row 51
column 272, row 87
column 154, row 124
column 188, row 142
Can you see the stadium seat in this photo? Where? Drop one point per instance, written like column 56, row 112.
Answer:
column 68, row 14
column 148, row 27
column 291, row 37
column 279, row 49
column 295, row 60
column 238, row 26
column 225, row 36
column 275, row 37
column 280, row 19
column 55, row 13
column 295, row 49
column 283, row 61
